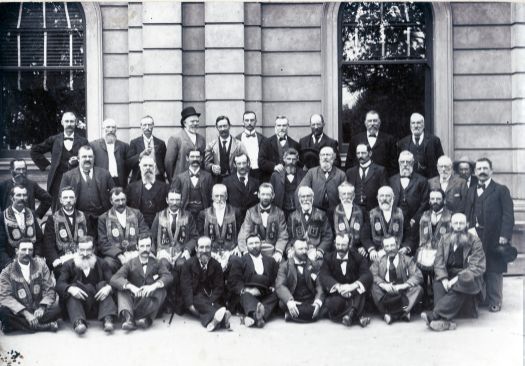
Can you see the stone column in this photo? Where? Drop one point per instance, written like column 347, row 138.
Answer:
column 253, row 62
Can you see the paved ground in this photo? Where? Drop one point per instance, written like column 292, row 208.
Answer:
column 493, row 339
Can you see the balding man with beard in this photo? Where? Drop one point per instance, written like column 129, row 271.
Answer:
column 459, row 268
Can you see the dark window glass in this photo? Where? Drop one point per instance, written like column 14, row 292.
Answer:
column 42, row 70
column 384, row 58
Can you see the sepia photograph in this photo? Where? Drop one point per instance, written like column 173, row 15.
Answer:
column 275, row 182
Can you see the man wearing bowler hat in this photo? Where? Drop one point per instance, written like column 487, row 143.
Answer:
column 176, row 160
column 464, row 167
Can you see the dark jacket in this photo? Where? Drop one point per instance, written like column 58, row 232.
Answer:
column 308, row 143
column 54, row 144
column 136, row 146
column 34, row 191
column 286, row 281
column 132, row 272
column 241, row 196
column 456, row 193
column 356, row 270
column 70, row 275
column 269, row 154
column 121, row 152
column 134, row 197
column 191, row 284
column 432, row 150
column 277, row 180
column 182, row 184
column 376, row 177
column 242, row 274
column 383, row 151
column 416, row 195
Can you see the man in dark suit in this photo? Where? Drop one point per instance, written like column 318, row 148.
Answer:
column 286, row 182
column 202, row 285
column 148, row 195
column 146, row 144
column 459, row 267
column 298, row 287
column 490, row 211
column 110, row 153
column 64, row 148
column 317, row 139
column 92, row 186
column 251, row 140
column 345, row 278
column 425, row 147
column 195, row 185
column 83, row 285
column 18, row 170
column 464, row 167
column 252, row 281
column 455, row 188
column 62, row 232
column 273, row 148
column 324, row 181
column 411, row 196
column 141, row 284
column 367, row 177
column 383, row 145
column 17, row 222
column 242, row 188
column 221, row 152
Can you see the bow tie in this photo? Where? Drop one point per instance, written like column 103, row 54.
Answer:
column 307, row 213
column 340, row 260
column 408, row 176
column 68, row 138
column 265, row 210
column 481, row 186
column 372, row 135
column 250, row 134
column 282, row 138
column 196, row 175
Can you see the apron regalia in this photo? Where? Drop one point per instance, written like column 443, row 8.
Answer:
column 381, row 229
column 428, row 234
column 14, row 232
column 309, row 231
column 172, row 242
column 67, row 236
column 223, row 238
column 124, row 238
column 352, row 227
column 28, row 294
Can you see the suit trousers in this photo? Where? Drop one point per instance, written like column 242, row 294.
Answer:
column 339, row 306
column 249, row 304
column 494, row 286
column 453, row 303
column 12, row 322
column 205, row 307
column 141, row 307
column 174, row 292
column 306, row 311
column 413, row 295
column 90, row 308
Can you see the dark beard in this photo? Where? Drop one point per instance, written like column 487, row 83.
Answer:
column 436, row 207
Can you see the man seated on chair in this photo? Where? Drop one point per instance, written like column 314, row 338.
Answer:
column 397, row 283
column 459, row 267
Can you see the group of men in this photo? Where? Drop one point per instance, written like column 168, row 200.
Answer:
column 249, row 224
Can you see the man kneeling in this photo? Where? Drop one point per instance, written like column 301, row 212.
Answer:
column 345, row 277
column 84, row 286
column 202, row 285
column 27, row 294
column 141, row 283
column 252, row 280
column 397, row 283
column 459, row 268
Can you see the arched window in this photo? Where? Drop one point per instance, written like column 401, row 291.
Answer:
column 42, row 70
column 385, row 64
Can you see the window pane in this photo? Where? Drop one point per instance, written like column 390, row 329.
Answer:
column 361, row 43
column 395, row 91
column 29, row 115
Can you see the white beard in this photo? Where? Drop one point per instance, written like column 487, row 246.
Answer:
column 84, row 264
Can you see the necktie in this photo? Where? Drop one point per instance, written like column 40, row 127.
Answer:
column 481, row 186
column 88, row 178
column 392, row 271
column 418, row 139
column 174, row 223
column 149, row 145
column 224, row 145
column 243, row 180
column 363, row 172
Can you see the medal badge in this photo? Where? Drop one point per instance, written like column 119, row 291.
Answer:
column 357, row 226
column 115, row 232
column 21, row 293
column 30, row 231
column 36, row 289
column 342, row 226
column 16, row 234
column 443, row 231
column 131, row 231
column 425, row 231
column 377, row 226
column 80, row 232
column 395, row 227
column 63, row 233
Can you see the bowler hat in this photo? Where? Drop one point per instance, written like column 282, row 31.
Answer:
column 309, row 157
column 186, row 112
column 506, row 252
column 464, row 159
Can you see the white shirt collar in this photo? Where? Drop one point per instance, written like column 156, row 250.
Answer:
column 245, row 177
column 421, row 137
column 486, row 183
column 318, row 138
column 18, row 212
column 69, row 136
column 227, row 140
column 194, row 171
column 366, row 165
column 84, row 174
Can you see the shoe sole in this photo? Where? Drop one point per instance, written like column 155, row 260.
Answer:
column 442, row 325
column 217, row 319
column 259, row 312
column 364, row 321
column 128, row 327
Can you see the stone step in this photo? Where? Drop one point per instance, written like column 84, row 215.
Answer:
column 518, row 266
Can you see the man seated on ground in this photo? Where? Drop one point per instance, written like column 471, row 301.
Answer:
column 346, row 278
column 202, row 284
column 397, row 283
column 141, row 284
column 252, row 280
column 84, row 287
column 27, row 295
column 298, row 287
column 459, row 268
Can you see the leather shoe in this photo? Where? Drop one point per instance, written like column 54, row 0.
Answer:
column 108, row 324
column 217, row 319
column 248, row 322
column 144, row 323
column 494, row 308
column 129, row 322
column 347, row 321
column 364, row 321
column 259, row 315
column 442, row 325
column 226, row 321
column 405, row 317
column 51, row 327
column 388, row 319
column 80, row 327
